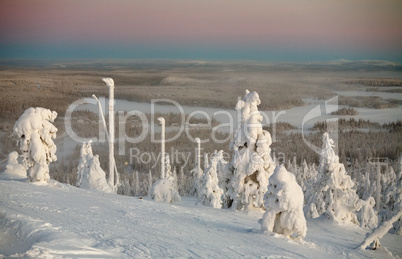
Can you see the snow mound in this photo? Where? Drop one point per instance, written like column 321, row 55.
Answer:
column 14, row 170
column 284, row 205
column 28, row 238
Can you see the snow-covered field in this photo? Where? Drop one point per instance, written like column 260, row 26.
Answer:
column 58, row 220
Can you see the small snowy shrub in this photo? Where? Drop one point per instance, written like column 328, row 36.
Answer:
column 14, row 170
column 36, row 132
column 165, row 189
column 284, row 205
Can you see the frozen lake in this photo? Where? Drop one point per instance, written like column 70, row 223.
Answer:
column 300, row 117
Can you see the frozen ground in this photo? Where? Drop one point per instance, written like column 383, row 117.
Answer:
column 59, row 220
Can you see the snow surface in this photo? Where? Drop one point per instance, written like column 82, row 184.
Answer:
column 59, row 220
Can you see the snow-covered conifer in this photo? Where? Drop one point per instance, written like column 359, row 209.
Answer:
column 333, row 194
column 149, row 183
column 251, row 165
column 367, row 215
column 284, row 205
column 210, row 192
column 36, row 132
column 89, row 173
column 137, row 189
column 164, row 190
column 197, row 172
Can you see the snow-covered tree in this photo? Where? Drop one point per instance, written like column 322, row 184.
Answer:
column 367, row 215
column 89, row 173
column 284, row 205
column 14, row 170
column 137, row 189
column 36, row 132
column 164, row 190
column 182, row 183
column 197, row 172
column 210, row 192
column 251, row 165
column 373, row 239
column 333, row 194
column 150, row 182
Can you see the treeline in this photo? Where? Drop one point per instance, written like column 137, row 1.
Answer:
column 374, row 82
column 345, row 111
column 375, row 102
column 347, row 124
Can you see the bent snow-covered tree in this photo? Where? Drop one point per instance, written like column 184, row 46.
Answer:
column 284, row 205
column 36, row 132
column 89, row 173
column 252, row 164
column 333, row 194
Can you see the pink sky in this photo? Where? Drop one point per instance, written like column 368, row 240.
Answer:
column 372, row 25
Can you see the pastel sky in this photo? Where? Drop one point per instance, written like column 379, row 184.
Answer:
column 277, row 30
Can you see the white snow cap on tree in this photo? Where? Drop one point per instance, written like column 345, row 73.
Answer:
column 14, row 170
column 252, row 164
column 333, row 194
column 89, row 173
column 284, row 205
column 36, row 132
column 211, row 193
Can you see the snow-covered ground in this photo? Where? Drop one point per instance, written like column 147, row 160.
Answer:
column 58, row 220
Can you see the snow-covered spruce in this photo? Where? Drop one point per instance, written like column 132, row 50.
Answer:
column 89, row 173
column 367, row 215
column 210, row 192
column 36, row 132
column 333, row 194
column 284, row 206
column 14, row 170
column 252, row 164
column 164, row 189
column 197, row 172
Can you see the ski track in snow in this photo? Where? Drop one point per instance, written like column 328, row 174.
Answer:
column 58, row 220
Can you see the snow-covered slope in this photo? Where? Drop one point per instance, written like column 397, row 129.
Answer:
column 58, row 220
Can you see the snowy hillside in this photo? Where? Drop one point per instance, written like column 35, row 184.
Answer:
column 58, row 220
